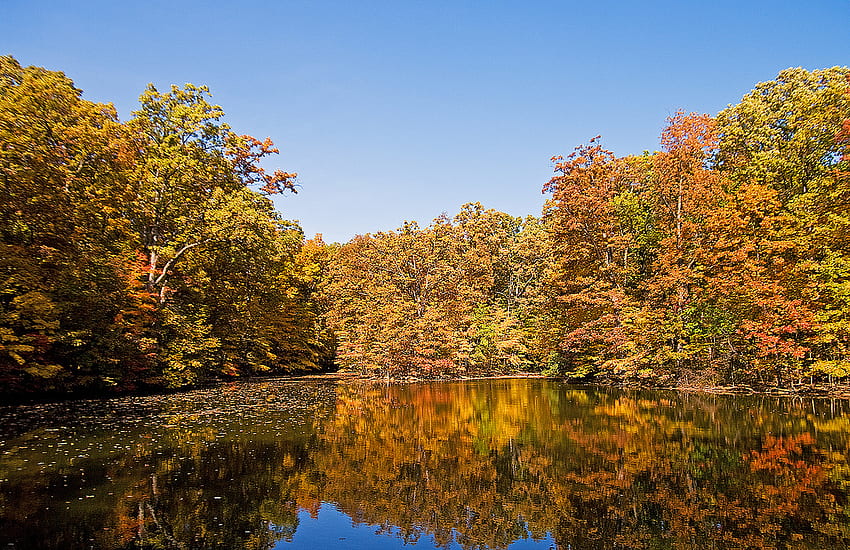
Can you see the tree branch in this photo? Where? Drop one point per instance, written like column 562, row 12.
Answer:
column 170, row 263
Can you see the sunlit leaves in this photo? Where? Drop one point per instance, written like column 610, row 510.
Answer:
column 138, row 253
column 721, row 257
column 449, row 299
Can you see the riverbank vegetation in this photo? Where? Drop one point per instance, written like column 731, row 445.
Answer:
column 147, row 253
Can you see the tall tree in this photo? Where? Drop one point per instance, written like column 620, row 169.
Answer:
column 189, row 162
column 780, row 143
column 64, row 247
column 204, row 223
column 685, row 193
column 590, row 250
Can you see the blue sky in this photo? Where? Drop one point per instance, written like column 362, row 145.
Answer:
column 401, row 110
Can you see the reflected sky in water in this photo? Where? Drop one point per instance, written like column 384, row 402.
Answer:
column 331, row 528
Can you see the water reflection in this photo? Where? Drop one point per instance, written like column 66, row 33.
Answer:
column 328, row 527
column 485, row 464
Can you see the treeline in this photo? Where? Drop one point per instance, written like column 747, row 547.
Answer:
column 457, row 297
column 147, row 253
column 723, row 258
column 143, row 253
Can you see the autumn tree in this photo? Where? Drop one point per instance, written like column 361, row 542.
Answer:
column 65, row 249
column 779, row 145
column 216, row 249
column 190, row 163
column 504, row 257
column 585, row 285
column 684, row 193
column 720, row 257
column 140, row 253
column 397, row 301
column 452, row 298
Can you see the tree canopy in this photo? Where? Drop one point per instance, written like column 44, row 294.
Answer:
column 143, row 253
column 147, row 253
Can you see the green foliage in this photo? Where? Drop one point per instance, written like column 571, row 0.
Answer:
column 188, row 350
column 782, row 134
column 138, row 254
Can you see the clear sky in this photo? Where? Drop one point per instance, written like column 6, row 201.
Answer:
column 401, row 110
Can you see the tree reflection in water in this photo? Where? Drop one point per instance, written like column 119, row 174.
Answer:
column 477, row 464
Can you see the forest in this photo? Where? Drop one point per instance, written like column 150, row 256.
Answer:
column 147, row 254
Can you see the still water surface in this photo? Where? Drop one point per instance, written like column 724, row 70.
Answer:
column 516, row 464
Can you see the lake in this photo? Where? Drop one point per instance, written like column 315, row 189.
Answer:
column 488, row 464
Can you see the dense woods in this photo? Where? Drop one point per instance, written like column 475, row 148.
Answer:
column 453, row 298
column 146, row 253
column 723, row 257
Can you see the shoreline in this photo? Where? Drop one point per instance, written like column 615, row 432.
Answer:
column 819, row 391
column 812, row 390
